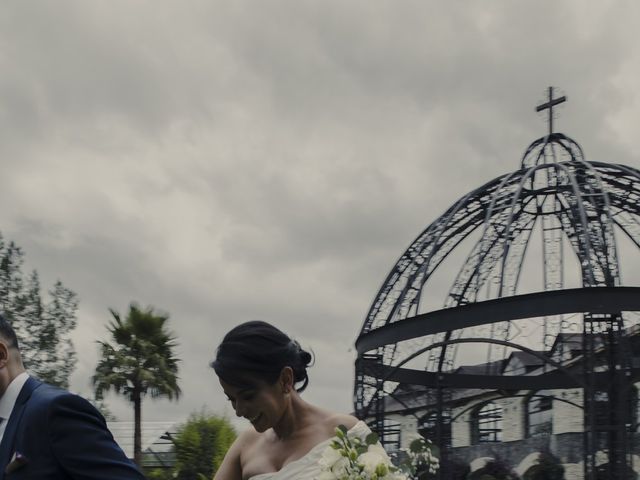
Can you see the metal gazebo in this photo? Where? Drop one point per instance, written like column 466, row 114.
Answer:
column 579, row 209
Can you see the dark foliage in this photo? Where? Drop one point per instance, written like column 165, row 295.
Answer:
column 547, row 468
column 494, row 470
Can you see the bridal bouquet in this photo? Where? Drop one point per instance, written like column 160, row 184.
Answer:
column 354, row 458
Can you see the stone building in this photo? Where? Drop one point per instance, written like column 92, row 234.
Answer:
column 515, row 427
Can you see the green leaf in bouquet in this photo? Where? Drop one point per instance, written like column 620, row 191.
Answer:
column 406, row 466
column 416, row 446
column 382, row 470
column 435, row 451
column 372, row 438
column 343, row 429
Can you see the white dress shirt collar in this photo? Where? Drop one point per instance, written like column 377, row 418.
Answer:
column 8, row 400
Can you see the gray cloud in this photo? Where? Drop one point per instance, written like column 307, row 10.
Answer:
column 225, row 161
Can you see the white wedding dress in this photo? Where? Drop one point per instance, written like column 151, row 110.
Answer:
column 307, row 467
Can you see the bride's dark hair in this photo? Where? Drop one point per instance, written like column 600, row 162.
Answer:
column 257, row 350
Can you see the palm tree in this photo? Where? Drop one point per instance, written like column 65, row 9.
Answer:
column 140, row 361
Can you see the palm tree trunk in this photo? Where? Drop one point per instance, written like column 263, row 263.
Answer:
column 137, row 427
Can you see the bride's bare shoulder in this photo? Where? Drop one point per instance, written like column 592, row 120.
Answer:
column 233, row 462
column 244, row 441
column 248, row 437
column 335, row 419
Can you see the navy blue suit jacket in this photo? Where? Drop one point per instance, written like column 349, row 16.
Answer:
column 60, row 436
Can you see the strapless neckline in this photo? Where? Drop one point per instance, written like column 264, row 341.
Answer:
column 307, row 457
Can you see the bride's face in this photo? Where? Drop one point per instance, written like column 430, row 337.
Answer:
column 261, row 403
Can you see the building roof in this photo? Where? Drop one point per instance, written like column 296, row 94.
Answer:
column 482, row 369
column 527, row 359
column 152, row 433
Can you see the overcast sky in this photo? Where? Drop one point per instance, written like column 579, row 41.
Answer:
column 230, row 160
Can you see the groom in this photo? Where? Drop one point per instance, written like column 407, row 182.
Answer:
column 49, row 433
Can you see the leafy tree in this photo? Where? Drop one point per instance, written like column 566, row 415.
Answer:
column 140, row 361
column 43, row 326
column 200, row 446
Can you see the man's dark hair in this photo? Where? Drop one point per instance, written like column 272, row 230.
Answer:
column 7, row 332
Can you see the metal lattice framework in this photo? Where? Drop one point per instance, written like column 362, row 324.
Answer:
column 579, row 208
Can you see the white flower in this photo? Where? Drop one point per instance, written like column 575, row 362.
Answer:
column 343, row 460
column 370, row 461
column 379, row 450
column 340, row 468
column 329, row 457
column 394, row 476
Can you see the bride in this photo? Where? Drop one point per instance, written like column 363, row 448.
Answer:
column 263, row 371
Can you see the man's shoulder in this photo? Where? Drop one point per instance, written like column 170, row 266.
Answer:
column 45, row 395
column 46, row 392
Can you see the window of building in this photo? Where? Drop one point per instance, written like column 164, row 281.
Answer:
column 539, row 408
column 486, row 424
column 391, row 433
column 428, row 427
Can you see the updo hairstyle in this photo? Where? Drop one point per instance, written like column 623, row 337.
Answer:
column 257, row 350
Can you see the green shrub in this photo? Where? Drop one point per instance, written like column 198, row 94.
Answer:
column 200, row 446
column 158, row 474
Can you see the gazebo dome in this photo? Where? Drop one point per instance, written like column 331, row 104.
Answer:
column 567, row 212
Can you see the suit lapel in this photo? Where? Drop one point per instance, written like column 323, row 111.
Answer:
column 6, row 447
